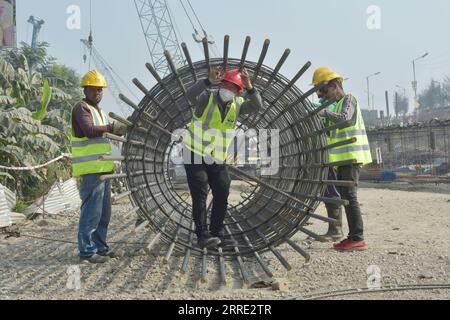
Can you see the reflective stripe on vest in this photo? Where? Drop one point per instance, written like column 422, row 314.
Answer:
column 348, row 134
column 86, row 152
column 89, row 142
column 358, row 150
column 349, row 149
column 210, row 135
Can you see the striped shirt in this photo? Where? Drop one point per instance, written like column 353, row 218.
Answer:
column 348, row 110
column 83, row 124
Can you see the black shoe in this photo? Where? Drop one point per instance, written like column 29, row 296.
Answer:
column 110, row 253
column 208, row 242
column 226, row 240
column 95, row 259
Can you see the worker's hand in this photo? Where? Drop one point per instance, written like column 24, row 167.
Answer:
column 246, row 80
column 119, row 129
column 214, row 74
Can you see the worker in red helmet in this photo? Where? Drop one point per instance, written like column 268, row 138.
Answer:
column 208, row 143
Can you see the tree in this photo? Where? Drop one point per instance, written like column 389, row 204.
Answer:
column 433, row 97
column 401, row 105
column 38, row 58
column 446, row 91
column 35, row 117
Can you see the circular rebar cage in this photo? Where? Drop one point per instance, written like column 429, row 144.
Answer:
column 274, row 207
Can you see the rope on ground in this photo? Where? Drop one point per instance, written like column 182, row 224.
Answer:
column 347, row 292
column 64, row 155
column 74, row 242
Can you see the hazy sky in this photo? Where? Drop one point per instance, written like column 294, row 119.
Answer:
column 328, row 33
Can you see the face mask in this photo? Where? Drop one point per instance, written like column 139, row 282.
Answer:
column 226, row 95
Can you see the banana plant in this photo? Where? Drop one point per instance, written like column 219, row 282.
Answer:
column 41, row 112
column 35, row 111
column 6, row 176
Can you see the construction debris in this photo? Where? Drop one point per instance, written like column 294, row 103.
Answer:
column 63, row 196
column 7, row 204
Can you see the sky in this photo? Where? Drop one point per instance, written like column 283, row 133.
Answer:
column 332, row 33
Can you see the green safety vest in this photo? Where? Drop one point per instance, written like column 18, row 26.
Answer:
column 86, row 152
column 216, row 142
column 359, row 150
column 332, row 108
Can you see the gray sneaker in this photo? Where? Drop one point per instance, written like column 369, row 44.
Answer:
column 110, row 253
column 208, row 242
column 95, row 259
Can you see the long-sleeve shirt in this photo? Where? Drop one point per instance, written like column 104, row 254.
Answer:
column 348, row 110
column 199, row 96
column 83, row 123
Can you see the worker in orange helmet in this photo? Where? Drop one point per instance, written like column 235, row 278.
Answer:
column 216, row 113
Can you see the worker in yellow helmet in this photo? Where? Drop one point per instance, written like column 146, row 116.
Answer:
column 334, row 211
column 89, row 123
column 350, row 156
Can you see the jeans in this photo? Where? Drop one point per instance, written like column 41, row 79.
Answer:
column 352, row 211
column 95, row 215
column 199, row 177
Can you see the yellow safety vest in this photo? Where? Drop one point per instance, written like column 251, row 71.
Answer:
column 359, row 150
column 86, row 152
column 216, row 142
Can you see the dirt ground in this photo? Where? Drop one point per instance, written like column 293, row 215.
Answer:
column 407, row 234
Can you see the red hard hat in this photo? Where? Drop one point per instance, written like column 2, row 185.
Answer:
column 234, row 77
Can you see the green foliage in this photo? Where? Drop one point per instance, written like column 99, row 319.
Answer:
column 36, row 98
column 36, row 58
column 5, row 175
column 401, row 105
column 20, row 206
column 41, row 112
column 437, row 95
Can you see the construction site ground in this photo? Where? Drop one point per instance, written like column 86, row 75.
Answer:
column 407, row 234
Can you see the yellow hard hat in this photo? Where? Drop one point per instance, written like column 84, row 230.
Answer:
column 325, row 74
column 93, row 79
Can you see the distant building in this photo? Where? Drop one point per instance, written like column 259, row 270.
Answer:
column 438, row 113
column 370, row 117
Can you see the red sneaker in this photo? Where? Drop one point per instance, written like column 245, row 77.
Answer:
column 340, row 244
column 349, row 245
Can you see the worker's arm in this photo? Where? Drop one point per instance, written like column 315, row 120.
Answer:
column 198, row 96
column 84, row 125
column 253, row 102
column 348, row 111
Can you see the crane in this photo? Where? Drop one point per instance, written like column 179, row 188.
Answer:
column 37, row 25
column 106, row 69
column 159, row 31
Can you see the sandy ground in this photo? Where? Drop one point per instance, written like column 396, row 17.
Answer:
column 407, row 233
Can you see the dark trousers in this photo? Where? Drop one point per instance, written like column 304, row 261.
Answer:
column 352, row 211
column 199, row 176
